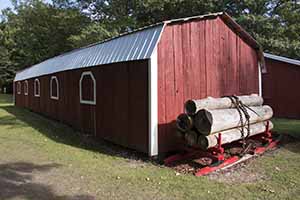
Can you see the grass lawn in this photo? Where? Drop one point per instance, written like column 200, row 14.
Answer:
column 43, row 159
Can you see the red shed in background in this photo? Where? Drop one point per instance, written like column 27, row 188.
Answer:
column 281, row 84
column 130, row 89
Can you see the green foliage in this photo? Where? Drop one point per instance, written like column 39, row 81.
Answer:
column 273, row 23
column 39, row 31
column 34, row 30
column 95, row 32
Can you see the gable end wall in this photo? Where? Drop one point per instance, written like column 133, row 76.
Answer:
column 197, row 59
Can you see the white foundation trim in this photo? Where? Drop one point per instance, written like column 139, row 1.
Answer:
column 54, row 78
column 37, row 90
column 90, row 74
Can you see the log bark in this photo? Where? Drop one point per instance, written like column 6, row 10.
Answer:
column 184, row 122
column 210, row 103
column 231, row 135
column 212, row 121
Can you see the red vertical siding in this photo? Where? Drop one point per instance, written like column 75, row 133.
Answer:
column 197, row 59
column 121, row 111
column 138, row 106
column 281, row 88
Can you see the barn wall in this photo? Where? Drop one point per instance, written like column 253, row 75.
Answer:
column 197, row 59
column 281, row 88
column 121, row 111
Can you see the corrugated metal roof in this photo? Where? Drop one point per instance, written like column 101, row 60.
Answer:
column 137, row 45
column 282, row 59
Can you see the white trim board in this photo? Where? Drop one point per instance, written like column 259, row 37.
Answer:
column 39, row 88
column 26, row 91
column 153, row 104
column 153, row 99
column 19, row 88
column 87, row 73
column 54, row 78
column 259, row 79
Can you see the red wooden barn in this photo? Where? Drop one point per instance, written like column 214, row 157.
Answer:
column 130, row 89
column 281, row 84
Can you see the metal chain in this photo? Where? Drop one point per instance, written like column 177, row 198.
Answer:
column 242, row 109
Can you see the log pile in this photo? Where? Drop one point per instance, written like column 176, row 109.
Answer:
column 204, row 119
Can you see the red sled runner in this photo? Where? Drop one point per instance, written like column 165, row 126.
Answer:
column 215, row 158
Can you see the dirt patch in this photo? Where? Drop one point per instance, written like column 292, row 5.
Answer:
column 136, row 163
column 34, row 181
column 245, row 172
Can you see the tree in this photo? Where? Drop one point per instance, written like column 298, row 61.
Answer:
column 35, row 31
column 93, row 33
column 273, row 23
column 41, row 31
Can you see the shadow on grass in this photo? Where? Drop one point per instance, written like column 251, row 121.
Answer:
column 6, row 99
column 16, row 182
column 62, row 133
column 290, row 142
column 290, row 131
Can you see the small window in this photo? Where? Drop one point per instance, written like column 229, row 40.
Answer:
column 87, row 86
column 54, row 88
column 26, row 88
column 19, row 89
column 37, row 88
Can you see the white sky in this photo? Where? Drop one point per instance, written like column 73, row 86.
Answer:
column 4, row 4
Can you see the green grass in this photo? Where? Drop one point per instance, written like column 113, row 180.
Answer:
column 95, row 170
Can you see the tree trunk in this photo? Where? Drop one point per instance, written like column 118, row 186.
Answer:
column 231, row 135
column 210, row 103
column 213, row 121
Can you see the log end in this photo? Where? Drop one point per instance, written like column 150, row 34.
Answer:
column 191, row 138
column 190, row 107
column 203, row 121
column 202, row 142
column 184, row 122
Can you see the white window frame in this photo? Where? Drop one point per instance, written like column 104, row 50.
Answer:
column 26, row 91
column 54, row 78
column 87, row 73
column 39, row 87
column 19, row 88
